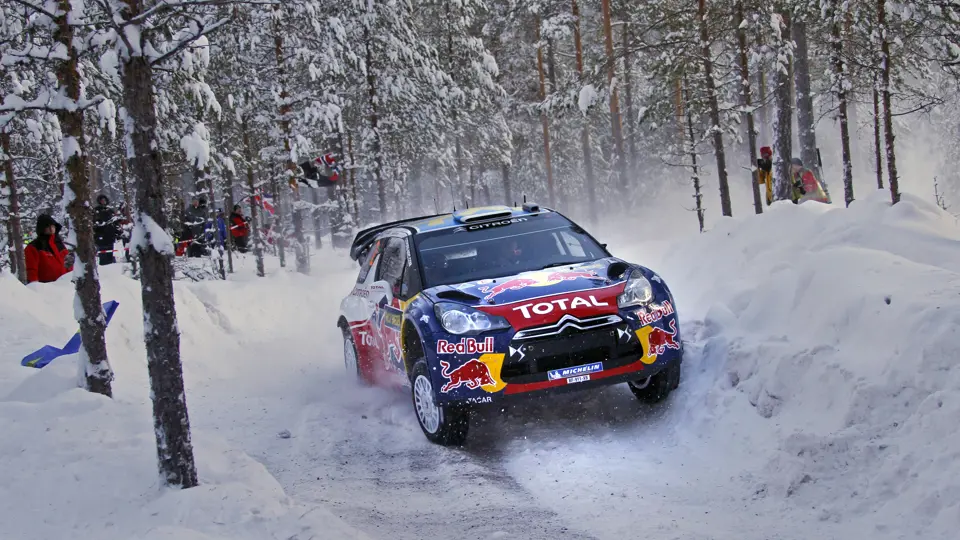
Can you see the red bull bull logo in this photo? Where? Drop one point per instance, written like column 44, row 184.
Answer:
column 660, row 340
column 473, row 375
column 535, row 280
column 556, row 277
column 509, row 285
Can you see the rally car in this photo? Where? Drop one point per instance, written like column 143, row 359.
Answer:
column 488, row 304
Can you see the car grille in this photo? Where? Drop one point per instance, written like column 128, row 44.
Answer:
column 566, row 325
column 568, row 349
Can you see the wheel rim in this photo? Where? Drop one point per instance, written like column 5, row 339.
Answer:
column 641, row 384
column 427, row 409
column 350, row 356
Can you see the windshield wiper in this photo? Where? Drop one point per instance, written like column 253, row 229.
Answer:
column 552, row 265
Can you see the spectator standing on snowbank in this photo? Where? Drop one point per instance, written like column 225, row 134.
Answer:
column 765, row 172
column 196, row 225
column 806, row 186
column 239, row 228
column 46, row 256
column 106, row 229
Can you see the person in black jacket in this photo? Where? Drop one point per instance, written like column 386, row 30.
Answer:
column 106, row 230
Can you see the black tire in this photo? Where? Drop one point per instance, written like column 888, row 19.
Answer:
column 659, row 385
column 452, row 421
column 349, row 345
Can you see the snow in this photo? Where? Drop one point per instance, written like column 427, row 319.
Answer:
column 588, row 96
column 71, row 147
column 196, row 146
column 147, row 232
column 819, row 398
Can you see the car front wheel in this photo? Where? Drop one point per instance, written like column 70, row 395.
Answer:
column 656, row 388
column 441, row 423
column 351, row 360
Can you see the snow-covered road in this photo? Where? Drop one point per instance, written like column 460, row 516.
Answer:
column 594, row 465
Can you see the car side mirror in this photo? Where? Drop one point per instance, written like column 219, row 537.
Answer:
column 381, row 287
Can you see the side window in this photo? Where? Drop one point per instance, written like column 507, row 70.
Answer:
column 574, row 247
column 369, row 258
column 411, row 277
column 393, row 263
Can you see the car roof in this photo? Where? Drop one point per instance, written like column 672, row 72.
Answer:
column 427, row 224
column 472, row 215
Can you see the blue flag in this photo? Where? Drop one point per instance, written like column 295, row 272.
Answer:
column 48, row 353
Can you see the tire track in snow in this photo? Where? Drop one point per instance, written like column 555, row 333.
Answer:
column 379, row 474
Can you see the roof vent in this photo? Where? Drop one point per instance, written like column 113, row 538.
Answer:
column 531, row 207
column 481, row 214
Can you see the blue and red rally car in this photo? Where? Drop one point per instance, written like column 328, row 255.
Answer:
column 493, row 303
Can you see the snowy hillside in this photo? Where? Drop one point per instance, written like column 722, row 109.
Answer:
column 818, row 399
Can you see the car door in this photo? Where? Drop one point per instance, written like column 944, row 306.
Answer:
column 389, row 297
column 358, row 308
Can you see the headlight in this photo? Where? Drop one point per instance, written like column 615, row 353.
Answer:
column 458, row 319
column 637, row 292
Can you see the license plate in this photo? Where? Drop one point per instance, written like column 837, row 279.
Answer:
column 582, row 378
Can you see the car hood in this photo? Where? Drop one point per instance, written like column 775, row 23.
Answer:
column 541, row 296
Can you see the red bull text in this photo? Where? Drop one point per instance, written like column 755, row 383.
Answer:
column 465, row 346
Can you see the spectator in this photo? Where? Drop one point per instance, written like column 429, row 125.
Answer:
column 806, row 186
column 46, row 257
column 196, row 221
column 239, row 228
column 125, row 225
column 765, row 174
column 106, row 229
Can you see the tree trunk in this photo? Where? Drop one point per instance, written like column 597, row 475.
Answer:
column 805, row 118
column 300, row 248
column 93, row 323
column 748, row 105
column 885, row 69
column 628, row 100
column 375, row 128
column 215, row 233
column 317, row 219
column 505, row 171
column 876, row 135
column 841, row 83
column 17, row 262
column 227, row 210
column 783, row 128
column 557, row 147
column 543, row 116
column 762, row 110
column 279, row 229
column 614, row 99
column 585, row 125
column 353, row 180
column 697, row 196
column 161, row 335
column 128, row 205
column 256, row 223
column 714, row 112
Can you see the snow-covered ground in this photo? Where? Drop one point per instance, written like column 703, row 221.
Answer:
column 818, row 399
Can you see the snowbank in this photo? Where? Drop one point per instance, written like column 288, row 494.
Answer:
column 831, row 356
column 78, row 465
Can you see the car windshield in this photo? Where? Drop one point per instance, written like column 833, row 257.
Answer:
column 459, row 255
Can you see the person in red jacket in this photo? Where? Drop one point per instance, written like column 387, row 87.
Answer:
column 46, row 255
column 239, row 228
